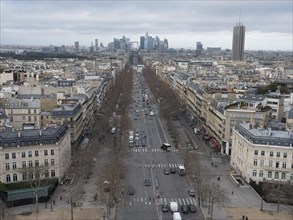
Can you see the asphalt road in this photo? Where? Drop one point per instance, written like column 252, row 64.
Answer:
column 149, row 162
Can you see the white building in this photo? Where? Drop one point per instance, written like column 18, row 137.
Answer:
column 262, row 154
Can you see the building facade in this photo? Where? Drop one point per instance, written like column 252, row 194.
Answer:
column 262, row 154
column 34, row 154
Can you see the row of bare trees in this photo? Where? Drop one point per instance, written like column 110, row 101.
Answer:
column 111, row 177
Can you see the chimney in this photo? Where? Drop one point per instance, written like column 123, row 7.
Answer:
column 40, row 132
column 19, row 134
column 270, row 131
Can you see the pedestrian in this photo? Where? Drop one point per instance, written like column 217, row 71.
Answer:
column 60, row 197
column 232, row 192
column 246, row 218
column 46, row 206
column 153, row 199
column 53, row 202
column 243, row 217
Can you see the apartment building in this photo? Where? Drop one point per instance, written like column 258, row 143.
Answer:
column 36, row 153
column 260, row 154
column 24, row 112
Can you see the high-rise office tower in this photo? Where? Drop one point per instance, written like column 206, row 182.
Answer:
column 76, row 47
column 238, row 42
column 142, row 39
column 96, row 44
column 199, row 48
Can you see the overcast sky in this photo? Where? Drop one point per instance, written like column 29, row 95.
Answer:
column 55, row 22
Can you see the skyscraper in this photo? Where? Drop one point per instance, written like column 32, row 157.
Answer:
column 238, row 42
column 76, row 47
column 142, row 39
column 199, row 48
column 96, row 44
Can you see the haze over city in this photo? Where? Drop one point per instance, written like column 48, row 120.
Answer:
column 268, row 23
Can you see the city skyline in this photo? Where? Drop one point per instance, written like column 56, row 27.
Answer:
column 268, row 24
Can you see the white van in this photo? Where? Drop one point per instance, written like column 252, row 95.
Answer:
column 173, row 206
column 176, row 216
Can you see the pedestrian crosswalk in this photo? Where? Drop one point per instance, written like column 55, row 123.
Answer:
column 160, row 201
column 137, row 150
column 162, row 165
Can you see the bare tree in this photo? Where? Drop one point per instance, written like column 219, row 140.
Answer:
column 37, row 177
column 216, row 195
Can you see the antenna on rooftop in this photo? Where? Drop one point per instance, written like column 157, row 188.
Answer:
column 239, row 17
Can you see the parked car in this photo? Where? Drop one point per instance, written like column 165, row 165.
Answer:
column 191, row 193
column 184, row 209
column 192, row 208
column 165, row 207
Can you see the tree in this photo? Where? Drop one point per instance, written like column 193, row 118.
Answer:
column 216, row 195
column 37, row 177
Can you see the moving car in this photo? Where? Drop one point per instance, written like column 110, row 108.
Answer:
column 165, row 208
column 167, row 171
column 173, row 170
column 191, row 193
column 184, row 209
column 147, row 182
column 192, row 208
column 130, row 190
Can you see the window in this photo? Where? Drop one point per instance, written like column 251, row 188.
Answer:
column 13, row 155
column 45, row 152
column 37, row 174
column 52, row 162
column 30, row 163
column 52, row 173
column 283, row 176
column 260, row 173
column 52, row 151
column 6, row 155
column 36, row 153
column 256, row 152
column 47, row 173
column 46, row 162
column 31, row 176
column 284, row 165
column 37, row 164
column 14, row 177
column 30, row 154
column 8, row 178
column 277, row 164
column 24, row 176
column 291, row 176
column 285, row 154
column 254, row 173
column 276, row 175
column 271, row 153
column 262, row 163
column 278, row 154
column 270, row 174
column 23, row 164
column 22, row 154
column 262, row 153
column 7, row 165
column 270, row 163
column 14, row 165
column 255, row 162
